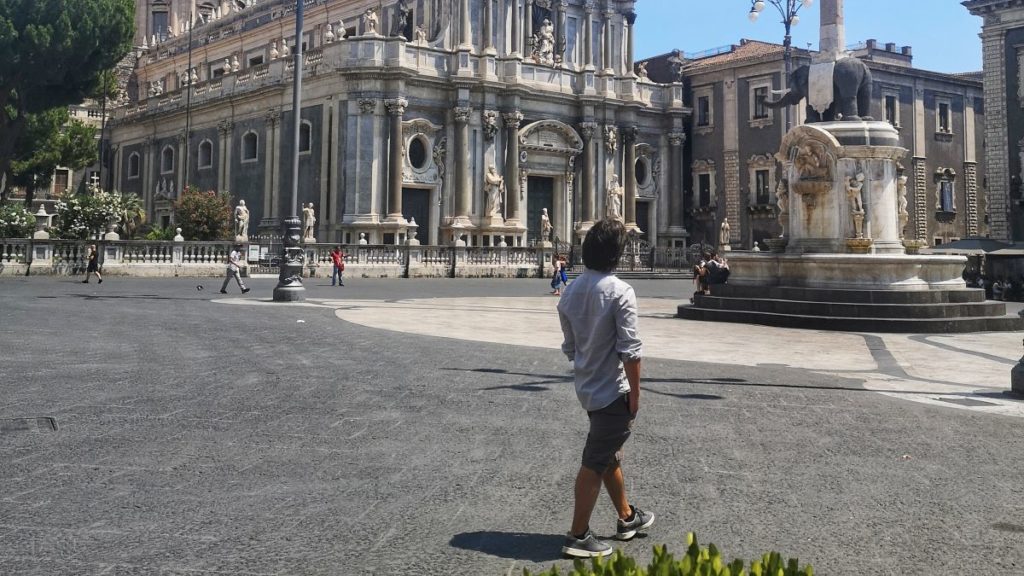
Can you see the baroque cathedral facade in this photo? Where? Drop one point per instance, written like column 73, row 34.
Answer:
column 468, row 118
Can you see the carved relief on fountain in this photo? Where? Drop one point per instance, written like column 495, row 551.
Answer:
column 811, row 153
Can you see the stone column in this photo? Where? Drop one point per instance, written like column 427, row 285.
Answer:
column 675, row 178
column 527, row 28
column 271, row 155
column 224, row 130
column 560, row 40
column 149, row 174
column 833, row 33
column 607, row 57
column 587, row 204
column 396, row 108
column 588, row 34
column 488, row 28
column 463, row 167
column 512, row 121
column 517, row 36
column 629, row 135
column 630, row 19
column 182, row 159
column 465, row 39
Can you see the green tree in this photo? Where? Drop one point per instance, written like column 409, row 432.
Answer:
column 53, row 53
column 203, row 215
column 51, row 139
column 133, row 214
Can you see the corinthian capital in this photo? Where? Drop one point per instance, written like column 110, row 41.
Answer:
column 676, row 138
column 512, row 119
column 629, row 135
column 462, row 114
column 587, row 129
column 396, row 106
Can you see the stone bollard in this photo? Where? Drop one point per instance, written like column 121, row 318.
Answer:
column 1017, row 378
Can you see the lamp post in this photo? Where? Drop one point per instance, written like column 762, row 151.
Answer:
column 788, row 9
column 289, row 281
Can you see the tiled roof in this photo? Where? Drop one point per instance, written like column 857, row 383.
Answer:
column 746, row 50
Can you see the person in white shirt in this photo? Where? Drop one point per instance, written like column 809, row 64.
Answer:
column 234, row 267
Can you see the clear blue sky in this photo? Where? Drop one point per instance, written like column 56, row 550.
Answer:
column 942, row 33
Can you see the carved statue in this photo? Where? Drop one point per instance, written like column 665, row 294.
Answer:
column 274, row 53
column 241, row 219
column 851, row 89
column 853, row 193
column 494, row 186
column 420, row 34
column 613, row 200
column 611, row 139
column 235, row 64
column 810, row 161
column 641, row 71
column 677, row 62
column 370, row 21
column 901, row 198
column 329, row 34
column 227, row 65
column 286, row 51
column 490, row 125
column 341, row 33
column 308, row 220
column 545, row 44
column 545, row 225
column 724, row 231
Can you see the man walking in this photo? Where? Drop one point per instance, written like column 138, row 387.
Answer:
column 598, row 315
column 234, row 266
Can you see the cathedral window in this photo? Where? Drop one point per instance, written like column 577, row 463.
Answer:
column 205, row 154
column 250, row 144
column 167, row 160
column 133, row 165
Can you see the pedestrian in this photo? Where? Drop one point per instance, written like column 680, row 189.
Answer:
column 93, row 266
column 338, row 258
column 598, row 314
column 556, row 275
column 563, row 276
column 234, row 267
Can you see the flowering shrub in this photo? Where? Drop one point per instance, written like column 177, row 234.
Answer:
column 80, row 216
column 203, row 215
column 16, row 221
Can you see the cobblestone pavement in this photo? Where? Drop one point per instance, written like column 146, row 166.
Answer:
column 429, row 427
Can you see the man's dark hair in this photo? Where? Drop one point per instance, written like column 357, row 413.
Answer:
column 603, row 245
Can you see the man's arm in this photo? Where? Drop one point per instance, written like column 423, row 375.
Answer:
column 569, row 340
column 628, row 346
column 632, row 369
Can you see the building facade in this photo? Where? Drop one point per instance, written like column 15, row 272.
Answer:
column 1002, row 40
column 469, row 118
column 731, row 171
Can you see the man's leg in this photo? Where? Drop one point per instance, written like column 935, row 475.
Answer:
column 238, row 278
column 616, row 486
column 588, row 487
column 224, row 286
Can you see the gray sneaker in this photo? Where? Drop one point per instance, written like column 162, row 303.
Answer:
column 587, row 547
column 626, row 530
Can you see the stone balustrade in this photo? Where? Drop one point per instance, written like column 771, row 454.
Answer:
column 143, row 258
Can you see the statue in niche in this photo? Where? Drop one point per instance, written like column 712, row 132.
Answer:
column 402, row 14
column 370, row 22
column 724, row 233
column 545, row 226
column 544, row 45
column 308, row 220
column 241, row 219
column 854, row 193
column 494, row 186
column 613, row 199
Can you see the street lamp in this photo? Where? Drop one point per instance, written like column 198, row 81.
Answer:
column 788, row 9
column 289, row 281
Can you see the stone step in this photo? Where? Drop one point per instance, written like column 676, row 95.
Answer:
column 852, row 310
column 958, row 295
column 854, row 324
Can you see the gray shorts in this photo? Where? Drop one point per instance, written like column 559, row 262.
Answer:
column 610, row 427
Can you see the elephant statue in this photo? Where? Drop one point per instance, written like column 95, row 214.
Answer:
column 851, row 85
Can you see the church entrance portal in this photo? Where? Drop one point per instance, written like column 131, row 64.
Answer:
column 539, row 194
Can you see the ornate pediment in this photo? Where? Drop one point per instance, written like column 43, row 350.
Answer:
column 550, row 136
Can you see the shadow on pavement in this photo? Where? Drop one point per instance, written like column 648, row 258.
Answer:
column 512, row 545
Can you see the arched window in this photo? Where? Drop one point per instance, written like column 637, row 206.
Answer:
column 167, row 160
column 133, row 165
column 250, row 146
column 206, row 154
column 305, row 137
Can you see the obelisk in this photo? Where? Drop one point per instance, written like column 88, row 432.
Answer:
column 832, row 42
